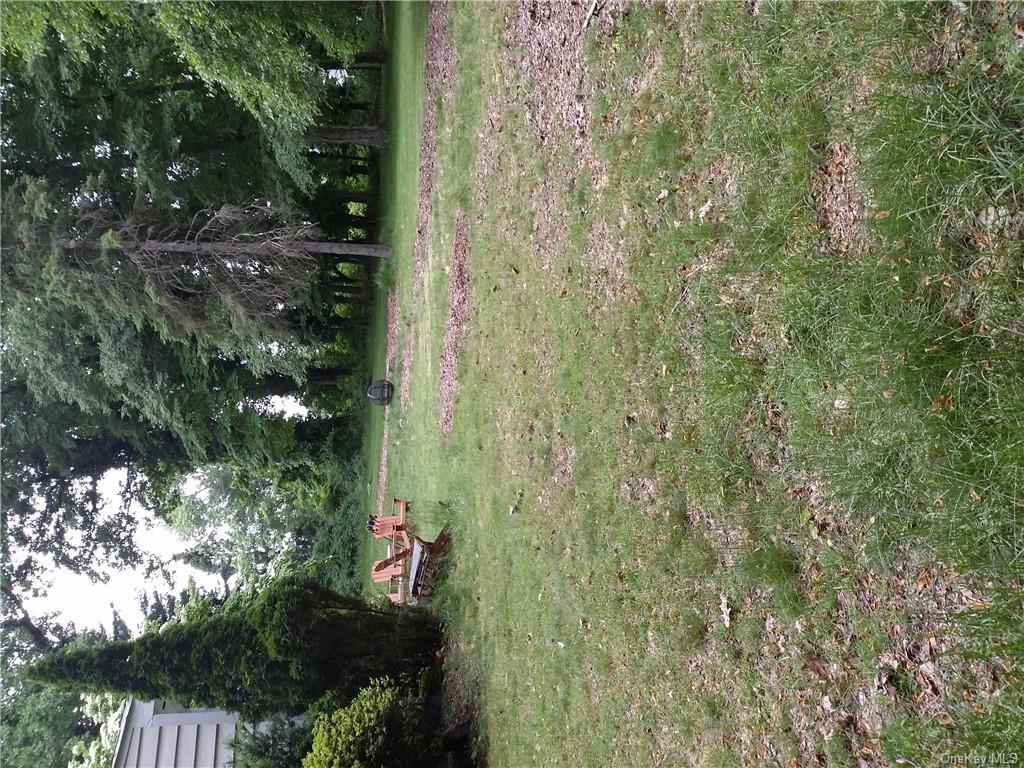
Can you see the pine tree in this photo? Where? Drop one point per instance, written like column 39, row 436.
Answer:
column 275, row 651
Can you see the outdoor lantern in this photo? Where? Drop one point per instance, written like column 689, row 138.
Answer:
column 380, row 392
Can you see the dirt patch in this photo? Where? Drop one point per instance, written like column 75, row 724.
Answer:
column 919, row 667
column 690, row 277
column 729, row 539
column 605, row 279
column 839, row 204
column 457, row 323
column 717, row 184
column 440, row 65
column 550, row 220
column 550, row 35
column 403, row 386
column 391, row 338
column 441, row 58
column 544, row 83
column 390, row 347
column 488, row 162
column 825, row 513
column 382, row 471
column 562, row 460
column 638, row 488
column 441, row 54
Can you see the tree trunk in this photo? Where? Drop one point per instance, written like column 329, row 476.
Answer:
column 327, row 377
column 367, row 135
column 364, row 60
column 208, row 148
column 137, row 94
column 353, row 106
column 270, row 385
column 341, row 165
column 349, row 288
column 353, row 323
column 281, row 385
column 341, row 152
column 232, row 248
column 357, row 169
column 346, row 251
column 347, row 196
column 95, row 456
column 350, row 299
column 317, row 430
column 377, row 56
column 368, row 60
column 24, row 621
column 337, row 198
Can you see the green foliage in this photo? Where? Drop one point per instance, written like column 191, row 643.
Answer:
column 272, row 651
column 381, row 728
column 236, row 297
column 98, row 97
column 280, row 743
column 217, row 662
column 184, row 92
column 40, row 726
column 122, row 125
column 336, row 486
column 260, row 53
column 27, row 25
column 240, row 521
column 97, row 751
column 323, row 635
column 110, row 139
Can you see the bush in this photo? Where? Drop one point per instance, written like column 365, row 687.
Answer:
column 281, row 744
column 383, row 727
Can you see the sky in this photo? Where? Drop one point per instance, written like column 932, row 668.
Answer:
column 76, row 599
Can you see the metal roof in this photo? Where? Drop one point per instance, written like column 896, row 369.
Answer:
column 163, row 734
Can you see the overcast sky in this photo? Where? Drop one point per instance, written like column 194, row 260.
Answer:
column 74, row 598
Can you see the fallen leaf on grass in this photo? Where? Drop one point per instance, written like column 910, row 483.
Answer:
column 887, row 661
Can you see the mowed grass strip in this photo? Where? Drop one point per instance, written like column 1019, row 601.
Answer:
column 402, row 83
column 736, row 458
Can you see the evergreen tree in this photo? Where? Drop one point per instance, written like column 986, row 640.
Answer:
column 276, row 651
column 149, row 306
column 99, row 90
column 179, row 93
column 266, row 56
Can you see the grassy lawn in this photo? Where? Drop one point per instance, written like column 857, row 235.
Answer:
column 402, row 112
column 737, row 452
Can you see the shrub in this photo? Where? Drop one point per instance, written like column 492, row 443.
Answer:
column 280, row 744
column 383, row 727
